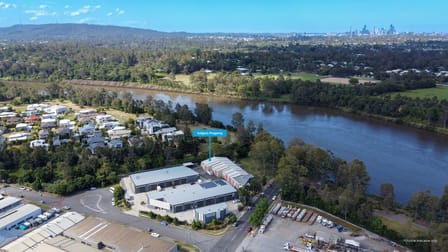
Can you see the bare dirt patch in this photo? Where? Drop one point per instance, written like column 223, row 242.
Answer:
column 344, row 81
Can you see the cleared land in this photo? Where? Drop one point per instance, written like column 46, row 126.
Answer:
column 302, row 75
column 441, row 92
column 345, row 81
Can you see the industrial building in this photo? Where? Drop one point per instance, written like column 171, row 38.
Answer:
column 187, row 197
column 14, row 216
column 165, row 177
column 39, row 238
column 224, row 168
column 208, row 213
column 7, row 203
column 101, row 235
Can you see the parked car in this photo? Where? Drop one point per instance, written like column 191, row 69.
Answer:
column 164, row 223
column 235, row 224
column 66, row 207
column 154, row 234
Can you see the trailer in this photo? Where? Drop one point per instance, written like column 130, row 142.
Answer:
column 301, row 215
column 266, row 221
column 285, row 212
column 276, row 208
column 307, row 216
column 352, row 244
column 281, row 210
column 294, row 216
column 312, row 219
column 291, row 212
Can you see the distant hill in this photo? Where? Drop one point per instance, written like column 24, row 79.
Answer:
column 80, row 32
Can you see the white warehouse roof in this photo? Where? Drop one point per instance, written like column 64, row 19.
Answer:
column 17, row 213
column 160, row 175
column 191, row 193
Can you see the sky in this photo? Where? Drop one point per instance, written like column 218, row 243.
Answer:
column 254, row 16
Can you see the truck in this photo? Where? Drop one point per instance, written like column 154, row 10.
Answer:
column 275, row 209
column 294, row 216
column 265, row 223
column 312, row 219
column 301, row 215
column 352, row 244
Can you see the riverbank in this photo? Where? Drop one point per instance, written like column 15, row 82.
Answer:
column 282, row 100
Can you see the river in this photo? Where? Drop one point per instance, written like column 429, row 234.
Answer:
column 411, row 159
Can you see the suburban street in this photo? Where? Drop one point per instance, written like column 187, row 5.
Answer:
column 231, row 240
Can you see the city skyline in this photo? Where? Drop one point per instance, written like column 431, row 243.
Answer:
column 266, row 16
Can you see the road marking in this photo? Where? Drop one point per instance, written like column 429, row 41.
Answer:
column 98, row 209
column 91, row 230
column 92, row 234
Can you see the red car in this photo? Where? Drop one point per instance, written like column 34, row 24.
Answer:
column 249, row 229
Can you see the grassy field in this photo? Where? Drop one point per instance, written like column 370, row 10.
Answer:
column 301, row 75
column 406, row 229
column 441, row 92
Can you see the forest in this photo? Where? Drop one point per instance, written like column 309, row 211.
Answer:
column 424, row 61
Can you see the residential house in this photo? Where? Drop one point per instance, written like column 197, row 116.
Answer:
column 87, row 130
column 56, row 109
column 8, row 114
column 43, row 134
column 49, row 116
column 62, row 132
column 141, row 120
column 104, row 118
column 109, row 125
column 66, row 123
column 10, row 121
column 32, row 119
column 39, row 143
column 170, row 136
column 48, row 123
column 118, row 133
column 23, row 127
column 23, row 136
column 115, row 143
column 135, row 141
column 97, row 140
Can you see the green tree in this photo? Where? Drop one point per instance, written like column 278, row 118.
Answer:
column 203, row 113
column 237, row 119
column 388, row 195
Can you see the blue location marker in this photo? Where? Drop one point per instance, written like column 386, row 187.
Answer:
column 209, row 133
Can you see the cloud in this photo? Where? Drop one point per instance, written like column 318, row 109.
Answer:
column 84, row 20
column 98, row 6
column 41, row 12
column 109, row 14
column 4, row 5
column 43, row 6
column 66, row 6
column 84, row 10
column 119, row 11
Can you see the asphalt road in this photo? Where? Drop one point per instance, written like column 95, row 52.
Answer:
column 231, row 240
column 98, row 203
